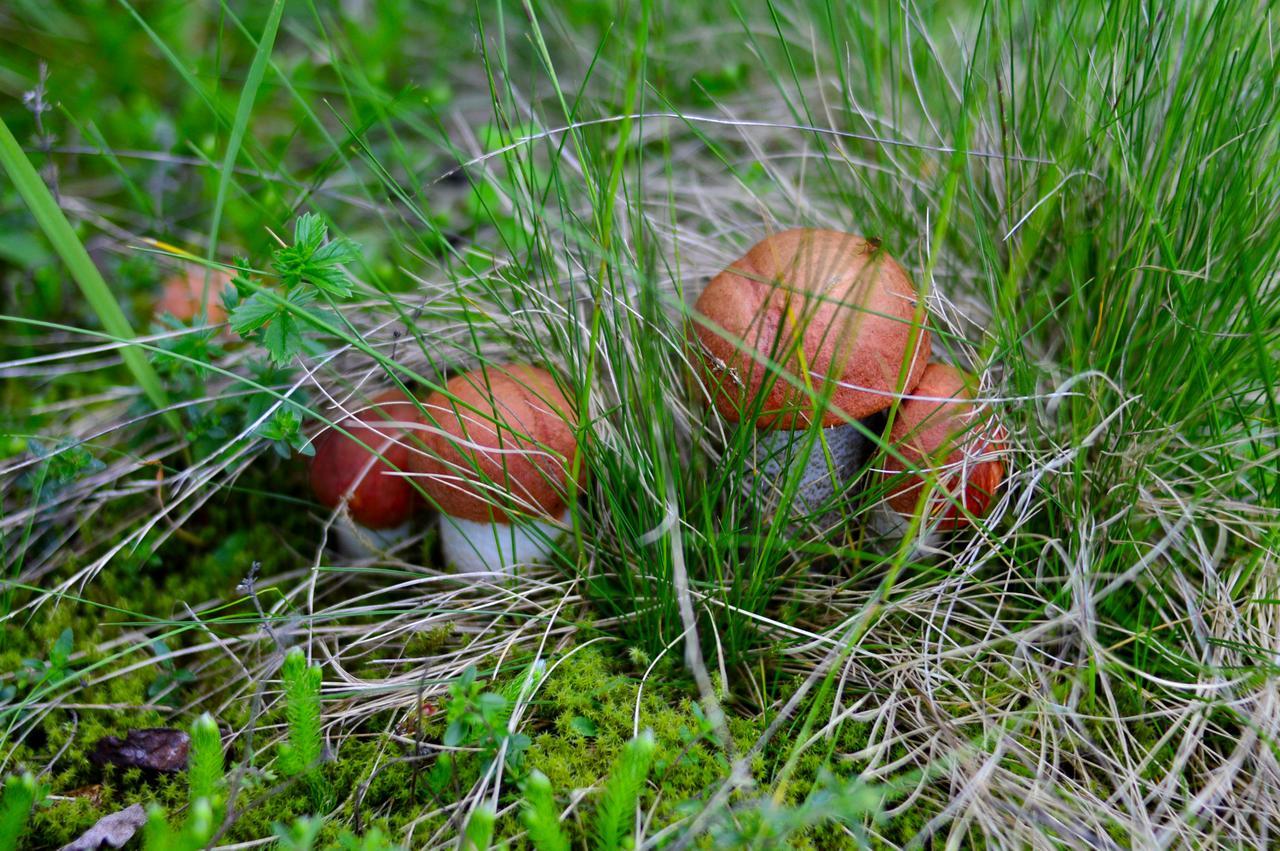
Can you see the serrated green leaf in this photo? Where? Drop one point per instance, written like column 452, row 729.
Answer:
column 282, row 339
column 300, row 298
column 252, row 313
column 334, row 252
column 309, row 231
column 332, row 281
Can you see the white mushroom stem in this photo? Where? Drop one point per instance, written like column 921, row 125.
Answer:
column 826, row 471
column 356, row 541
column 475, row 547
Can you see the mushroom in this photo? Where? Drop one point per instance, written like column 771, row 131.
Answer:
column 837, row 316
column 499, row 445
column 184, row 295
column 358, row 470
column 948, row 441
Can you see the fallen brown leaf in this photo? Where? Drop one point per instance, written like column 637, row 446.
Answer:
column 158, row 749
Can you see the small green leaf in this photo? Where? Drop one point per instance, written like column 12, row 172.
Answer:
column 314, row 261
column 252, row 313
column 334, row 252
column 309, row 231
column 583, row 726
column 282, row 339
column 284, row 429
column 332, row 281
column 61, row 652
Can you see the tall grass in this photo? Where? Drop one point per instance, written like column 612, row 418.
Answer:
column 54, row 224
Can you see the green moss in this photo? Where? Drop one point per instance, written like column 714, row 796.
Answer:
column 586, row 713
column 139, row 589
column 581, row 717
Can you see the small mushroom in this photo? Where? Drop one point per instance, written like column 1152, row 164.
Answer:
column 184, row 295
column 499, row 446
column 948, row 441
column 359, row 472
column 837, row 315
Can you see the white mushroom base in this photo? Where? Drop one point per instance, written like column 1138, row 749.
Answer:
column 474, row 547
column 826, row 471
column 356, row 541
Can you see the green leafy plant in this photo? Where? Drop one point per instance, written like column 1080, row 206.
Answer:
column 195, row 833
column 38, row 676
column 16, row 801
column 765, row 824
column 61, row 465
column 284, row 432
column 300, row 756
column 614, row 810
column 300, row 835
column 303, row 833
column 478, row 835
column 477, row 719
column 206, row 773
column 374, row 840
column 206, row 779
column 309, row 270
column 165, row 688
column 618, row 800
column 540, row 816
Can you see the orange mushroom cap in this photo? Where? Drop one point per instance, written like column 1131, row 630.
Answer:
column 498, row 437
column 955, row 438
column 378, row 496
column 835, row 298
column 184, row 293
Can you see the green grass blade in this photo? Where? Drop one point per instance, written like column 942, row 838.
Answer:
column 183, row 71
column 60, row 233
column 243, row 109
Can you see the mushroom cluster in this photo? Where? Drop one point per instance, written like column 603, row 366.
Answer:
column 823, row 327
column 809, row 326
column 808, row 339
column 492, row 451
